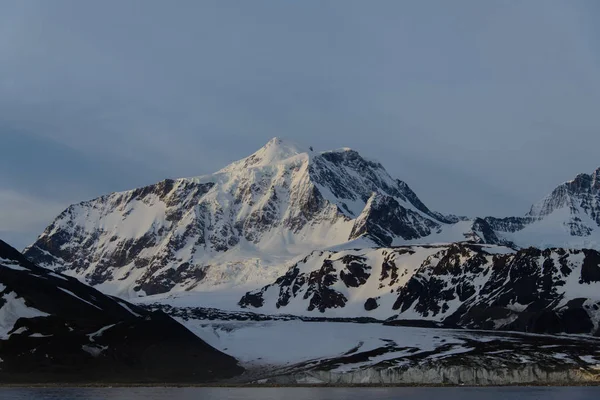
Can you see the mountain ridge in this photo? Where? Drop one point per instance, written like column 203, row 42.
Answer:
column 244, row 224
column 460, row 285
column 278, row 198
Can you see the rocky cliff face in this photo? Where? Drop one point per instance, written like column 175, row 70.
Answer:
column 280, row 202
column 458, row 285
column 492, row 374
column 383, row 219
column 54, row 328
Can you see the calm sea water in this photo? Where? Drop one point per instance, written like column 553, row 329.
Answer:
column 520, row 393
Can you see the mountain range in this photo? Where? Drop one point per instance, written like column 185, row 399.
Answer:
column 456, row 285
column 247, row 223
column 290, row 234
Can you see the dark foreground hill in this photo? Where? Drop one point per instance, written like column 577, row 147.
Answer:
column 54, row 328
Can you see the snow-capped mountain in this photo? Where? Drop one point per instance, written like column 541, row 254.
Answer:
column 247, row 223
column 568, row 217
column 241, row 224
column 54, row 328
column 580, row 195
column 462, row 284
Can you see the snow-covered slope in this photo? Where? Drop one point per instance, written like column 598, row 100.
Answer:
column 466, row 285
column 372, row 354
column 238, row 226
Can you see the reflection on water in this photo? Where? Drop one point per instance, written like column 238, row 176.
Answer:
column 516, row 393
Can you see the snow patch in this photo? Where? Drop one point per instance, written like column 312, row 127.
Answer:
column 77, row 297
column 13, row 309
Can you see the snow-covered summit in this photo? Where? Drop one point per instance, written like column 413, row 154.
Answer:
column 576, row 204
column 579, row 194
column 275, row 151
column 568, row 217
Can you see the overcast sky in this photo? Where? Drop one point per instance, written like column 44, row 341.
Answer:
column 483, row 107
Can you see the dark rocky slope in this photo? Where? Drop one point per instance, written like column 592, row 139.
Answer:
column 55, row 329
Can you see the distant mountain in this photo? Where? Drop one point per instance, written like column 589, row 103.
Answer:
column 245, row 224
column 580, row 196
column 457, row 285
column 568, row 217
column 278, row 203
column 54, row 328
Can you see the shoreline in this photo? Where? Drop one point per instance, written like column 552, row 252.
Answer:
column 98, row 385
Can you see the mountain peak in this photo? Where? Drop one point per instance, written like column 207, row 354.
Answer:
column 8, row 253
column 275, row 151
column 584, row 183
column 578, row 202
column 596, row 178
column 282, row 147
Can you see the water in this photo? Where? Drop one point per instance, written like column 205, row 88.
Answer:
column 420, row 393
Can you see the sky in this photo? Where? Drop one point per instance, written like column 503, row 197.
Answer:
column 482, row 107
